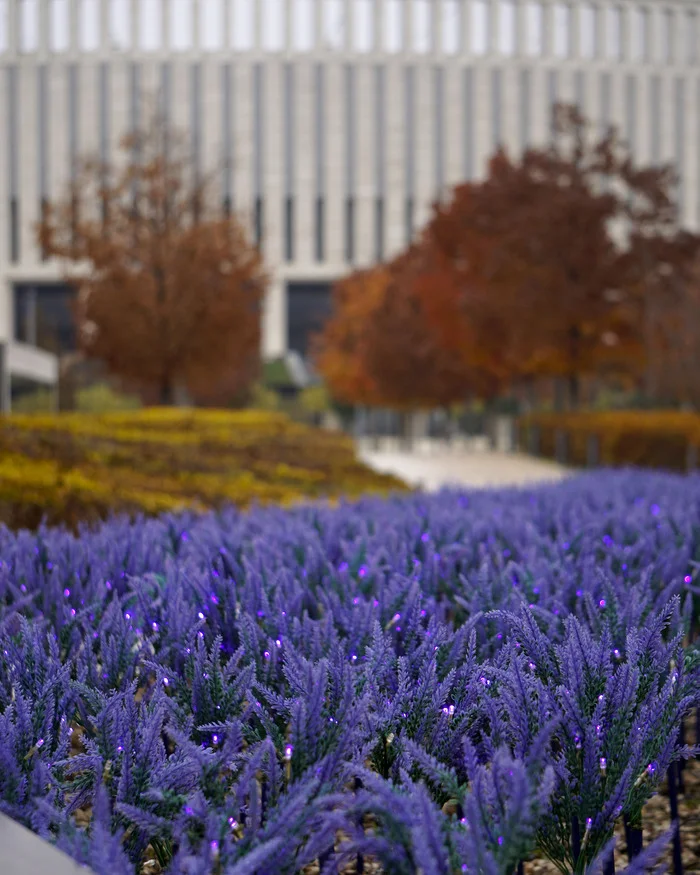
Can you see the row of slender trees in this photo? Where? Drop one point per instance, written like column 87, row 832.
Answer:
column 568, row 263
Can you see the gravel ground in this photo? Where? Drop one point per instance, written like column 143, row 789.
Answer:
column 656, row 820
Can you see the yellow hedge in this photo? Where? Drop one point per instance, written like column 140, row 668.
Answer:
column 81, row 467
column 650, row 439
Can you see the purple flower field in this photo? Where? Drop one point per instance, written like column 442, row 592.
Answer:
column 436, row 684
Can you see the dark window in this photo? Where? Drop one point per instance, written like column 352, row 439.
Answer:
column 468, row 123
column 43, row 211
column 288, row 121
column 22, row 316
column 496, row 102
column 631, row 112
column 74, row 218
column 258, row 222
column 350, row 230
column 580, row 88
column 164, row 96
column 73, row 104
column 439, row 131
column 525, row 96
column 289, row 228
column 135, row 88
column 104, row 112
column 605, row 101
column 320, row 130
column 379, row 118
column 258, row 129
column 654, row 117
column 409, row 122
column 409, row 220
column 227, row 124
column 42, row 129
column 44, row 313
column 308, row 307
column 680, row 140
column 14, row 230
column 379, row 229
column 350, row 129
column 196, row 117
column 105, row 212
column 553, row 88
column 320, row 229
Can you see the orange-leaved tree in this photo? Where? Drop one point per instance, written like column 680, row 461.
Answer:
column 339, row 351
column 557, row 227
column 169, row 291
column 398, row 337
column 421, row 348
column 473, row 291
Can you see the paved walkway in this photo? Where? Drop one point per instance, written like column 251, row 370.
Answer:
column 432, row 466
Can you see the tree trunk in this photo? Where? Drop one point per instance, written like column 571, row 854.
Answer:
column 559, row 394
column 574, row 391
column 167, row 392
column 573, row 378
column 527, row 395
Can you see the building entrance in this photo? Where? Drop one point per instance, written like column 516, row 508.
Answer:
column 308, row 307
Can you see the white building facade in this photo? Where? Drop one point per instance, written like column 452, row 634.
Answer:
column 338, row 122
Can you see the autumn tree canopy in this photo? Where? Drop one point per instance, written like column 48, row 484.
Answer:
column 397, row 338
column 169, row 290
column 563, row 244
column 340, row 350
column 561, row 263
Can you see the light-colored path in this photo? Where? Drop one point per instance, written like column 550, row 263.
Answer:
column 431, row 466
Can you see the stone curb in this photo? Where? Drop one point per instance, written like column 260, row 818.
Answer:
column 24, row 853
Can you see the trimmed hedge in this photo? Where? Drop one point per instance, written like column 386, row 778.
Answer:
column 73, row 468
column 648, row 439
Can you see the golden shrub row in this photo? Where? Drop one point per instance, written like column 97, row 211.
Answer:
column 653, row 439
column 78, row 467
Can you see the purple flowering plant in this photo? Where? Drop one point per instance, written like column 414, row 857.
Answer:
column 442, row 683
